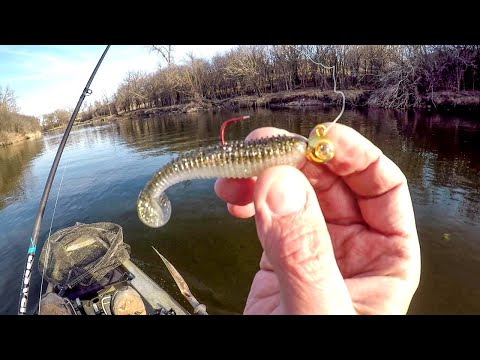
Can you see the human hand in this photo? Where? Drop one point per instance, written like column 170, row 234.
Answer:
column 338, row 238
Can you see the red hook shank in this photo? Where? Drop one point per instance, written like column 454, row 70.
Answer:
column 226, row 122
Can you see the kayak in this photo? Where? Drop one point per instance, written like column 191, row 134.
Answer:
column 89, row 272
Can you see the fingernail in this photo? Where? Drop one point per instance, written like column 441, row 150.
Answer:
column 286, row 196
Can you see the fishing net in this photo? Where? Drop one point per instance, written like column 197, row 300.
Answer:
column 83, row 254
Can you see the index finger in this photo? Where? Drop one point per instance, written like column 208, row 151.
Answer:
column 378, row 183
column 362, row 165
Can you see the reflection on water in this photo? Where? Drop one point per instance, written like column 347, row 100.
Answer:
column 106, row 166
column 14, row 169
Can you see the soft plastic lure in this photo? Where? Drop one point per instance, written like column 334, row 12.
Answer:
column 236, row 159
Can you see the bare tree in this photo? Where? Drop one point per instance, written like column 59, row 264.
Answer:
column 57, row 118
column 246, row 65
column 8, row 100
column 166, row 51
column 193, row 76
column 106, row 102
column 398, row 85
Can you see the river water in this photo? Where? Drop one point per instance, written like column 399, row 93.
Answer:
column 104, row 167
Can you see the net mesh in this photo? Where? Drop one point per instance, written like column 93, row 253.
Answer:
column 83, row 254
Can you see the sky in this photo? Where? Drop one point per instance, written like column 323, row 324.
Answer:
column 49, row 77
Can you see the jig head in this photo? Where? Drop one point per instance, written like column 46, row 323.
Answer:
column 320, row 149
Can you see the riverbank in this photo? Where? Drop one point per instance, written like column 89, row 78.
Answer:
column 8, row 138
column 454, row 102
column 94, row 121
column 446, row 101
column 283, row 99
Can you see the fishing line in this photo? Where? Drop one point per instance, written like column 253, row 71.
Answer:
column 334, row 83
column 48, row 239
column 32, row 249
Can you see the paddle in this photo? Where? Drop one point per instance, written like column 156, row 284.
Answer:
column 198, row 309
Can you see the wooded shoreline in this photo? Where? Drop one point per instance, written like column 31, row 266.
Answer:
column 446, row 101
column 436, row 78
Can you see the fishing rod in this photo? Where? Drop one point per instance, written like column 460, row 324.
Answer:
column 22, row 309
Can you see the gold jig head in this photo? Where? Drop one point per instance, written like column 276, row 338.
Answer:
column 320, row 149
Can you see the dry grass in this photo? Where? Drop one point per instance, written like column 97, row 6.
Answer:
column 461, row 98
column 8, row 138
column 16, row 127
column 302, row 97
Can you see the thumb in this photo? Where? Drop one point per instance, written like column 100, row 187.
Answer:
column 294, row 236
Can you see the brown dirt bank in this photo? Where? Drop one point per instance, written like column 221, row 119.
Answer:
column 284, row 99
column 8, row 138
column 299, row 98
column 458, row 102
column 465, row 101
